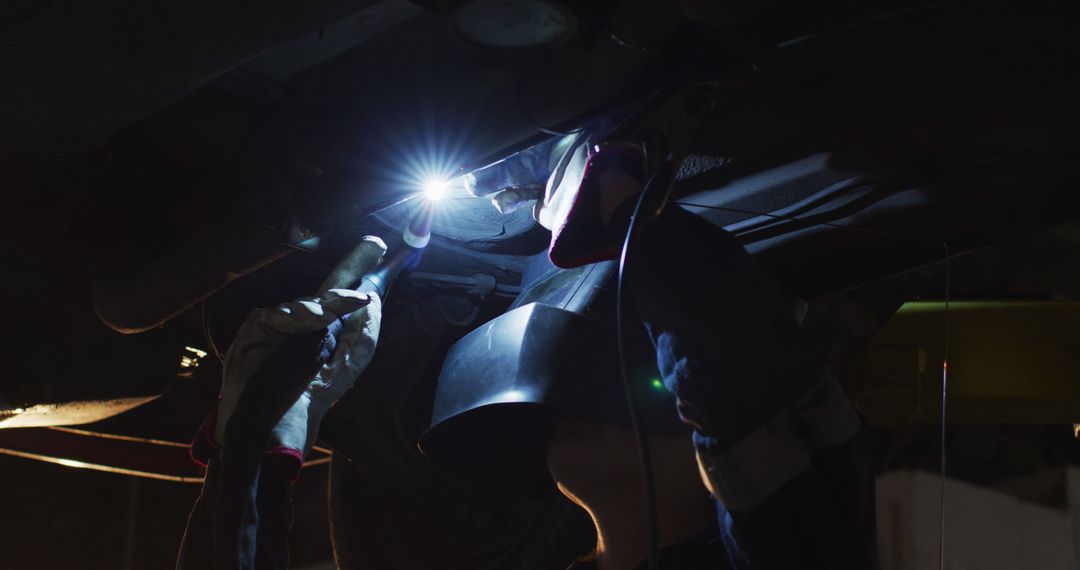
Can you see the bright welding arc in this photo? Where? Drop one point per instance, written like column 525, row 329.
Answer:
column 435, row 188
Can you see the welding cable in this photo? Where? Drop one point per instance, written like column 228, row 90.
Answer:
column 657, row 183
column 207, row 335
column 944, row 398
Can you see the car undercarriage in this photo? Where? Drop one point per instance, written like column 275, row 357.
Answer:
column 170, row 168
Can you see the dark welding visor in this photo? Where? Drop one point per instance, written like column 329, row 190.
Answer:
column 552, row 355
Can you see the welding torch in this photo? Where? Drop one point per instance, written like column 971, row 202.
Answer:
column 301, row 356
column 282, row 377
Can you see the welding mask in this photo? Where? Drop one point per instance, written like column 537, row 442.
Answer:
column 572, row 203
column 552, row 355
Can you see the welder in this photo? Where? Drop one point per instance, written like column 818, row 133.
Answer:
column 778, row 446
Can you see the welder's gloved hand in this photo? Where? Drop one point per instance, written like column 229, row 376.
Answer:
column 519, row 179
column 265, row 330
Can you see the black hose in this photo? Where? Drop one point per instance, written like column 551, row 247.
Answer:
column 658, row 182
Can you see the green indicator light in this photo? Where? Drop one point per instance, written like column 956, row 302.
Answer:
column 657, row 384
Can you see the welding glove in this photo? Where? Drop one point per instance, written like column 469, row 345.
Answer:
column 266, row 329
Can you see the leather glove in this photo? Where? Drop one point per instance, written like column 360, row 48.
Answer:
column 266, row 329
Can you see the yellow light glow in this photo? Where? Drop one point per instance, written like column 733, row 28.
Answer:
column 192, row 357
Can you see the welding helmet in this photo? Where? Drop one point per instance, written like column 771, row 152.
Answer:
column 552, row 355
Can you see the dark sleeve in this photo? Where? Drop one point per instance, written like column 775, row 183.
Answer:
column 275, row 511
column 264, row 531
column 197, row 548
column 727, row 342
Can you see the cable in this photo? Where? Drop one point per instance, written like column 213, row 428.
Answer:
column 644, row 453
column 206, row 333
column 944, row 395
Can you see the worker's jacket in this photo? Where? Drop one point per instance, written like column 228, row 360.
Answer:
column 261, row 540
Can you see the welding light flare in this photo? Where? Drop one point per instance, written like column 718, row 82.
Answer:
column 434, row 189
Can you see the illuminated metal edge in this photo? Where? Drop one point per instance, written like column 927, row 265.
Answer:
column 312, row 462
column 96, row 467
column 69, row 413
column 80, row 464
column 117, row 437
column 318, row 461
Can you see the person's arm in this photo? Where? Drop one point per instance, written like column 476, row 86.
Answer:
column 242, row 518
